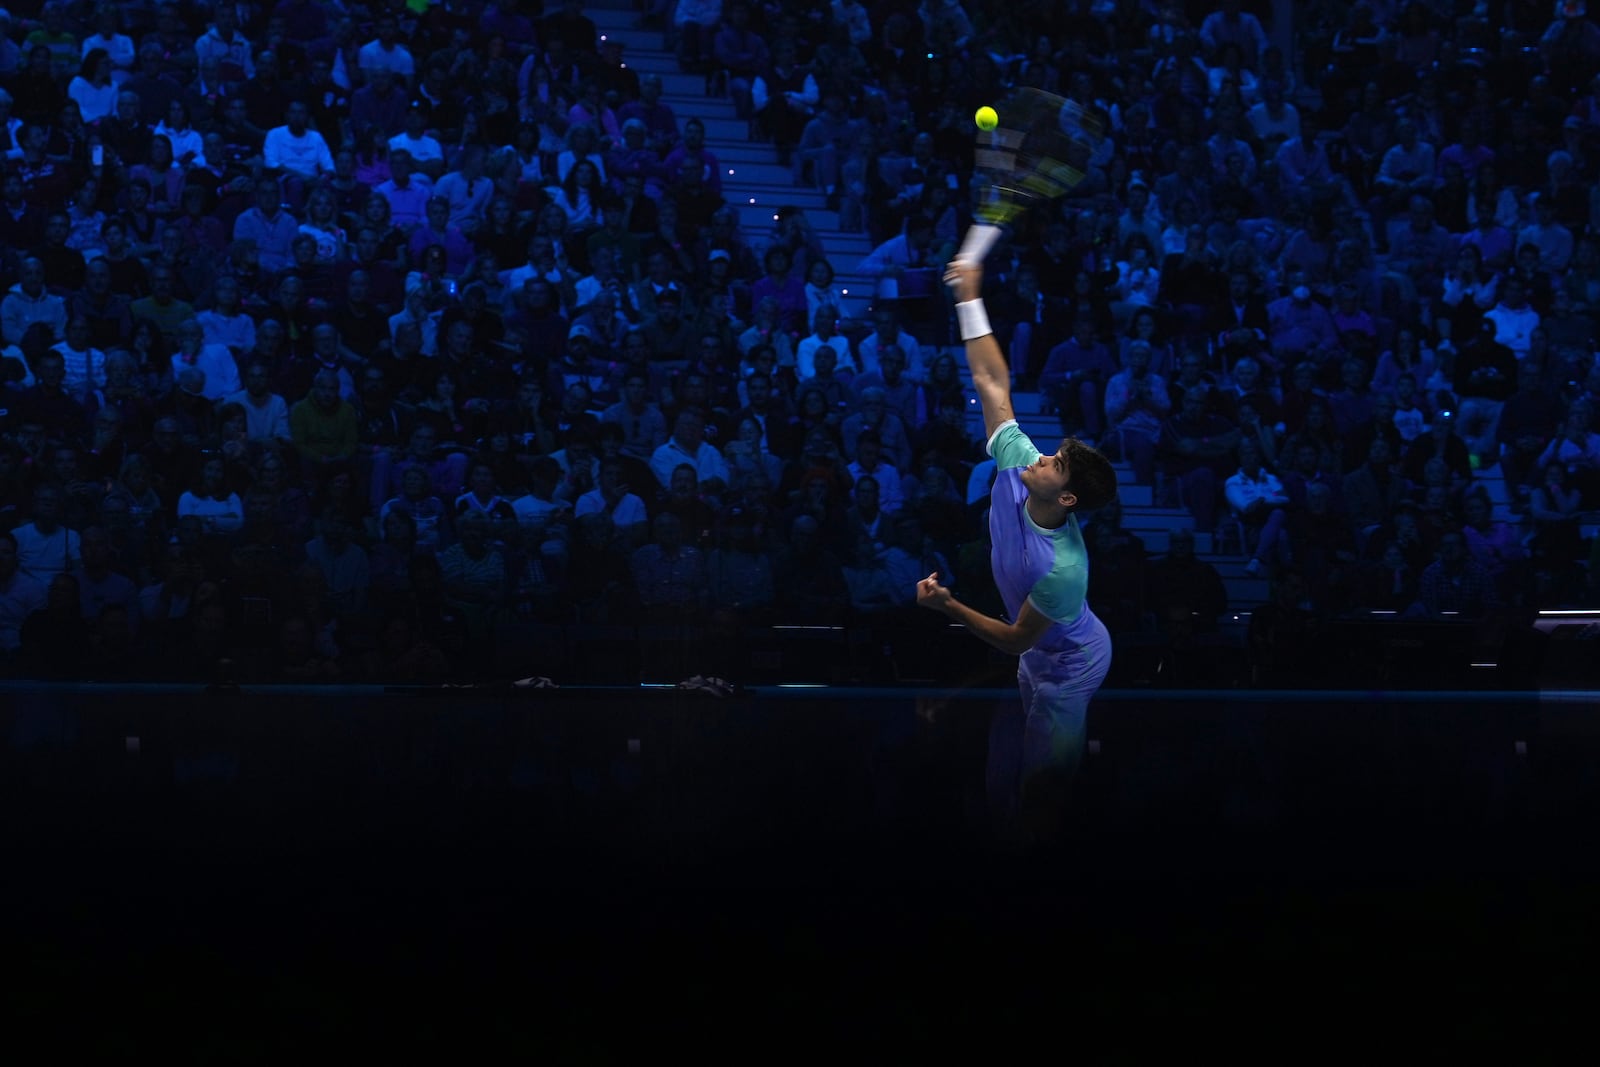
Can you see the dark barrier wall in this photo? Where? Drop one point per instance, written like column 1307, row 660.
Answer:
column 665, row 769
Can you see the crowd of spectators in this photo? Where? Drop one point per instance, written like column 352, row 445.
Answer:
column 341, row 340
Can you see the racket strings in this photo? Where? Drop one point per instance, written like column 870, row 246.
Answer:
column 1040, row 151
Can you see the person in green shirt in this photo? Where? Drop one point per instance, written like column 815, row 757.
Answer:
column 323, row 426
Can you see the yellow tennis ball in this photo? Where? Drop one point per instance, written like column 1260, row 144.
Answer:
column 986, row 118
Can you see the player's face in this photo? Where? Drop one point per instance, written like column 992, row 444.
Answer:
column 1046, row 479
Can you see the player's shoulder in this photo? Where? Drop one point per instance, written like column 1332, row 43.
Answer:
column 1000, row 433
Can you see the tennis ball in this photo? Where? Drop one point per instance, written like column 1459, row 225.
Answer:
column 986, row 118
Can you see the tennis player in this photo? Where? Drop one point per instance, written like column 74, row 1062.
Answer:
column 1042, row 571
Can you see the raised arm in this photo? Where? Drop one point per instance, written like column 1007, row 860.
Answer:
column 991, row 376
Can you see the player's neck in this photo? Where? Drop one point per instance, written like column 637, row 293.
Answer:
column 1047, row 516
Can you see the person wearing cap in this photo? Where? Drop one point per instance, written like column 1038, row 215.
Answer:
column 587, row 363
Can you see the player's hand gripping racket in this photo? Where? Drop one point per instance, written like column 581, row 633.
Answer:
column 1039, row 150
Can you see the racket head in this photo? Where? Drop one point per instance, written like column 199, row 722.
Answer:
column 1039, row 151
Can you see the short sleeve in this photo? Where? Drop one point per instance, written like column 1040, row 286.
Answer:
column 1010, row 447
column 1059, row 595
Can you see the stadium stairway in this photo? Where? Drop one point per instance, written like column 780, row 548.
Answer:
column 753, row 181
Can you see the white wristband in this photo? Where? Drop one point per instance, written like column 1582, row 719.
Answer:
column 973, row 320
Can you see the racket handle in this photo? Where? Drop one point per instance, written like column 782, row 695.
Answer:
column 978, row 243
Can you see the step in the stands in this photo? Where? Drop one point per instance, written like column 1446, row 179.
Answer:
column 845, row 250
column 720, row 128
column 768, row 175
column 1245, row 592
column 739, row 189
column 635, row 40
column 662, row 63
column 732, row 153
column 1156, row 543
column 1149, row 517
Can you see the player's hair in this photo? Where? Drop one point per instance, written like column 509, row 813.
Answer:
column 1093, row 479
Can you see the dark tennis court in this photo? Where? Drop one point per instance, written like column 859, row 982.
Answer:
column 374, row 865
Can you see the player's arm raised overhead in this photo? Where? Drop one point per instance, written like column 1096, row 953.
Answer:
column 991, row 375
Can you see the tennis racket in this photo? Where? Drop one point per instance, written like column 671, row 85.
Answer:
column 1039, row 151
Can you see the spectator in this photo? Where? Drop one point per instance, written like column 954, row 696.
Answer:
column 825, row 331
column 873, row 413
column 1186, row 593
column 83, row 364
column 270, row 230
column 21, row 594
column 1299, row 326
column 214, row 361
column 696, row 23
column 386, row 52
column 344, row 565
column 869, row 462
column 1075, row 377
column 613, row 505
column 669, row 574
column 1553, row 240
column 739, row 572
column 1455, row 583
column 296, row 151
column 55, row 637
column 93, row 90
column 688, row 445
column 644, row 427
column 323, row 426
column 1419, row 252
column 45, row 547
column 1135, row 403
column 217, row 507
column 406, row 195
column 1257, row 498
column 814, row 590
column 1192, row 444
column 785, row 96
column 1325, row 548
column 474, row 574
column 1495, row 545
column 28, row 303
column 1577, row 450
